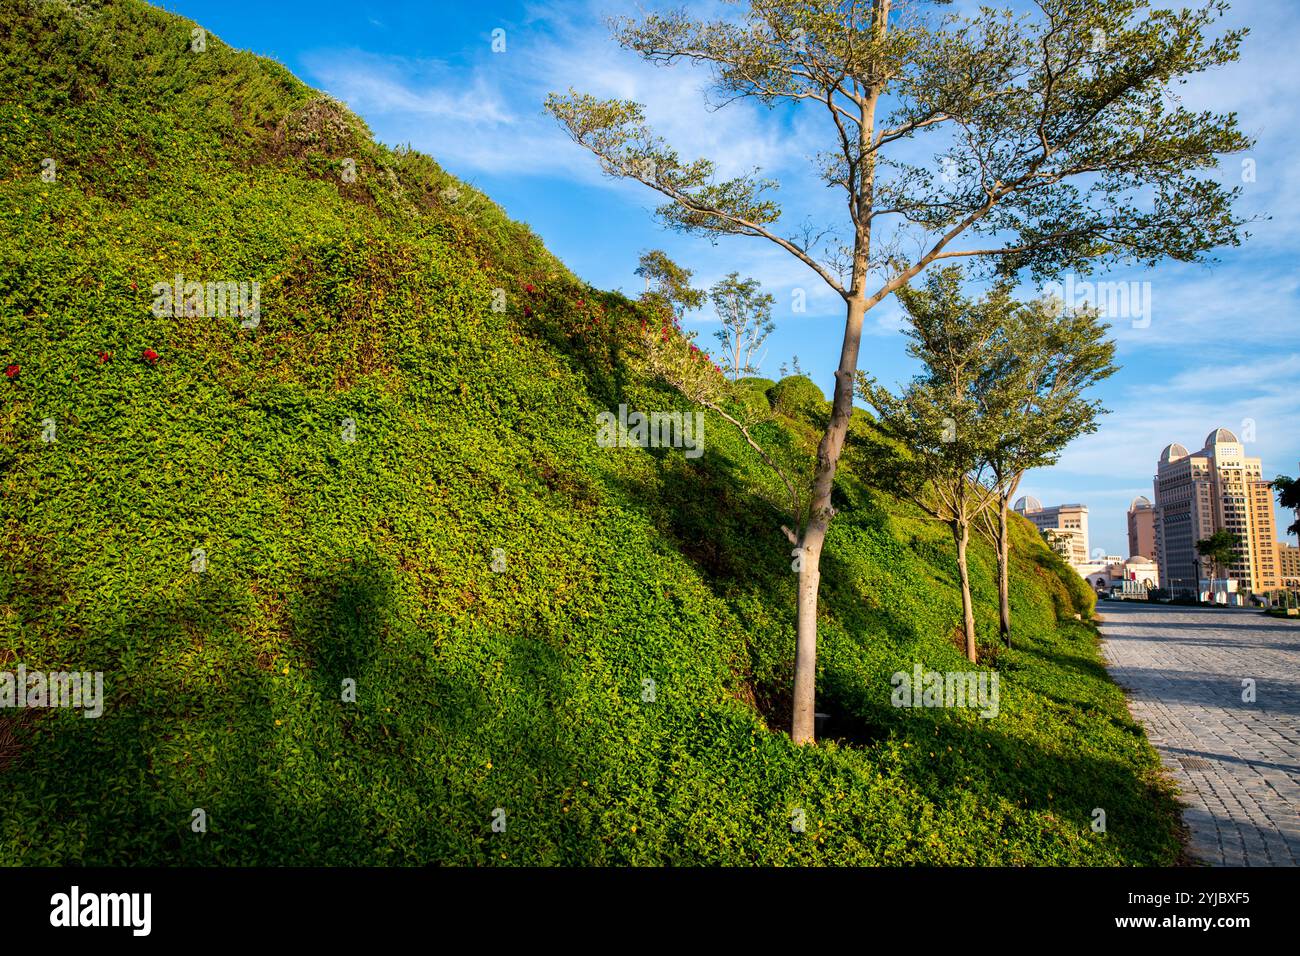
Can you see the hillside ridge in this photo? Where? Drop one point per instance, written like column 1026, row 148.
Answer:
column 561, row 653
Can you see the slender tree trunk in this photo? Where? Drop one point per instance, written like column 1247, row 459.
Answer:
column 802, row 723
column 961, row 535
column 814, row 536
column 802, row 729
column 1005, row 494
column 1004, row 589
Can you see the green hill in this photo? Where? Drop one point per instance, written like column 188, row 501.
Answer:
column 395, row 484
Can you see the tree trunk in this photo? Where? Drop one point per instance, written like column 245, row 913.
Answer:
column 1007, row 492
column 814, row 536
column 802, row 728
column 802, row 721
column 1004, row 560
column 961, row 535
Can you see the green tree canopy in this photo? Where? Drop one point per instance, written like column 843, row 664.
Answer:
column 1220, row 549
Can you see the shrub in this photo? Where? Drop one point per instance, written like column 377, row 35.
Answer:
column 798, row 397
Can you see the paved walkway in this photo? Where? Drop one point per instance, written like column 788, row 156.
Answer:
column 1238, row 763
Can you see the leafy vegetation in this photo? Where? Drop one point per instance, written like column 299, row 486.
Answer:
column 500, row 588
column 1287, row 490
column 1219, row 551
column 1048, row 130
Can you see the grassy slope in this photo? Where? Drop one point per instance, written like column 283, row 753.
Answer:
column 478, row 690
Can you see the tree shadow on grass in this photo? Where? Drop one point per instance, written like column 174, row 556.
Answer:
column 340, row 620
column 111, row 790
column 1063, row 788
column 286, row 772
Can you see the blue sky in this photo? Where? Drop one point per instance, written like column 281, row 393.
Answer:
column 1219, row 347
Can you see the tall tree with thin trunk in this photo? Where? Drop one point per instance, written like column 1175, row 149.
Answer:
column 1056, row 143
column 746, row 315
column 940, row 418
column 1034, row 402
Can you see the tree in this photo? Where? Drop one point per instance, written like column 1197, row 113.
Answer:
column 1288, row 496
column 939, row 419
column 746, row 315
column 1034, row 397
column 1051, row 152
column 667, row 287
column 1220, row 549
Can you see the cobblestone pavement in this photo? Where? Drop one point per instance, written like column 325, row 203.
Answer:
column 1238, row 763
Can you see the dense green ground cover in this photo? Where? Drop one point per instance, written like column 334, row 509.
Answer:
column 521, row 689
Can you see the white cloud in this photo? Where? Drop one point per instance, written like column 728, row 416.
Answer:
column 1278, row 374
column 375, row 85
column 487, row 115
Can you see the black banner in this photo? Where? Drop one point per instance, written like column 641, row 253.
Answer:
column 339, row 905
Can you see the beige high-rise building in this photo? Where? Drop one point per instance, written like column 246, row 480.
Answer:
column 1066, row 522
column 1197, row 494
column 1288, row 565
column 1141, row 528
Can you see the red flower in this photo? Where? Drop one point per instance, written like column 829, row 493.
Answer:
column 529, row 288
column 150, row 356
column 134, row 286
column 104, row 357
column 11, row 371
column 580, row 303
column 528, row 310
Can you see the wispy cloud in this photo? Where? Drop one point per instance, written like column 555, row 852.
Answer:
column 1266, row 375
column 489, row 109
column 385, row 85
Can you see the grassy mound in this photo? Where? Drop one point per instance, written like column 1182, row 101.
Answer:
column 562, row 653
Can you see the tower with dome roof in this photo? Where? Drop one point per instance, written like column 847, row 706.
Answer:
column 1198, row 493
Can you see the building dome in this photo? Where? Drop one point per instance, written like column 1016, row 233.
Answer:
column 1172, row 453
column 1218, row 436
column 1140, row 503
column 1027, row 504
column 1138, row 559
